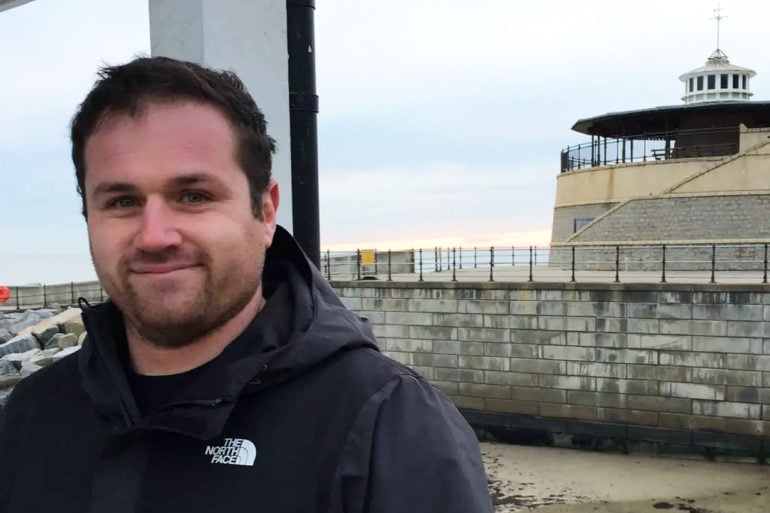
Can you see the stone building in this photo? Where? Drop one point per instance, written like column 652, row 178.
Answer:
column 688, row 176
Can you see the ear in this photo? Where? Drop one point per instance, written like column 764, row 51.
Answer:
column 270, row 199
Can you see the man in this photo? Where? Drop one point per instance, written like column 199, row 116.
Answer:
column 223, row 374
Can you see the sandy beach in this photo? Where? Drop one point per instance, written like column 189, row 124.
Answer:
column 555, row 480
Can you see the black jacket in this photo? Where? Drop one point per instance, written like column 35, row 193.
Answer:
column 305, row 418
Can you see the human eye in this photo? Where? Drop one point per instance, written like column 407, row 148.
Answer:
column 195, row 197
column 122, row 202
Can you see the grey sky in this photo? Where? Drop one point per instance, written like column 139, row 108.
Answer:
column 440, row 119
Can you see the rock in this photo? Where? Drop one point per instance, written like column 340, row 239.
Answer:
column 7, row 367
column 19, row 358
column 25, row 322
column 46, row 313
column 71, row 314
column 44, row 331
column 73, row 326
column 28, row 369
column 82, row 338
column 19, row 344
column 65, row 352
column 9, row 380
column 5, row 335
column 44, row 358
column 67, row 340
column 54, row 341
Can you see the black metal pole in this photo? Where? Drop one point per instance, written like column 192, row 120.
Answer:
column 454, row 264
column 617, row 264
column 328, row 265
column 713, row 263
column 491, row 263
column 303, row 111
column 420, row 264
column 358, row 263
column 663, row 266
column 764, row 273
column 390, row 273
column 573, row 264
column 530, row 263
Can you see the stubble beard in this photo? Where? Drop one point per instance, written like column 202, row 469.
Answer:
column 187, row 312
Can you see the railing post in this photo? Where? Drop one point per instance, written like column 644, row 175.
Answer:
column 572, row 279
column 535, row 255
column 460, row 257
column 454, row 265
column 447, row 258
column 72, row 292
column 764, row 274
column 663, row 266
column 713, row 263
column 420, row 264
column 328, row 265
column 390, row 275
column 375, row 262
column 513, row 256
column 436, row 259
column 101, row 293
column 358, row 264
column 530, row 263
column 617, row 264
column 18, row 304
column 491, row 263
column 475, row 261
column 45, row 297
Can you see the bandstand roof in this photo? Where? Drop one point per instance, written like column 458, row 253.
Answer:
column 639, row 123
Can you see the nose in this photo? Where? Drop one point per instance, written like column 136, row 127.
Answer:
column 157, row 230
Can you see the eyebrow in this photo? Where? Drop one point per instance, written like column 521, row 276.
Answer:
column 176, row 182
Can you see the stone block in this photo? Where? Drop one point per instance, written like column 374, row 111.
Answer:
column 692, row 390
column 390, row 330
column 598, row 399
column 580, row 308
column 627, row 386
column 728, row 312
column 551, row 323
column 705, row 328
column 726, row 377
column 543, row 395
column 434, row 360
column 674, row 311
column 457, row 320
column 540, row 337
column 581, row 324
column 374, row 317
column 636, row 356
column 485, row 294
column 523, row 322
column 470, row 403
column 597, row 369
column 643, row 325
column 747, row 329
column 642, row 310
column 691, row 422
column 7, row 368
column 748, row 395
column 584, row 383
column 690, row 359
column 510, row 378
column 67, row 340
column 569, row 353
column 660, row 404
column 486, row 391
column 432, row 305
column 464, row 375
column 496, row 321
column 747, row 362
column 670, row 342
column 727, row 345
column 484, row 334
column 554, row 308
column 567, row 411
column 765, row 379
column 726, row 409
column 28, row 368
column 659, row 372
column 523, row 307
column 352, row 303
column 550, row 295
column 497, row 349
column 511, row 406
column 484, row 363
column 433, row 332
column 409, row 318
column 524, row 350
column 384, row 304
column 44, row 331
column 747, row 427
column 536, row 366
column 634, row 417
column 406, row 345
column 447, row 387
column 425, row 372
column 402, row 358
column 612, row 340
column 611, row 325
column 484, row 307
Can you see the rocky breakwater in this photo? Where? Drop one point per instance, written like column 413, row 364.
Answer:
column 34, row 339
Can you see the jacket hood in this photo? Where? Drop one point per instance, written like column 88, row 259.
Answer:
column 259, row 358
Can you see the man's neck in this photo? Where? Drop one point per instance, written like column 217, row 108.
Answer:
column 151, row 359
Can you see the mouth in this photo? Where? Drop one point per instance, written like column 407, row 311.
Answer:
column 160, row 269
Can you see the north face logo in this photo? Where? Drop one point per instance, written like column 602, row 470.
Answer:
column 235, row 451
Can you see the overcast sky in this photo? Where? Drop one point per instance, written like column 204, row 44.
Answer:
column 441, row 120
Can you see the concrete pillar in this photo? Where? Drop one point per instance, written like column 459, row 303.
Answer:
column 247, row 37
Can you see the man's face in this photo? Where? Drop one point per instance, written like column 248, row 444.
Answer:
column 170, row 222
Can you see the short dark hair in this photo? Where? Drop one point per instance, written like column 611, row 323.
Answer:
column 129, row 88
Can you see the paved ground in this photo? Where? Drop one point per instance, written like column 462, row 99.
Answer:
column 553, row 480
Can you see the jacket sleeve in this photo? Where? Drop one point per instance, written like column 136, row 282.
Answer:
column 13, row 425
column 410, row 450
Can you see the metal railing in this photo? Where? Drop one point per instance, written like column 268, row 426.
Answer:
column 602, row 151
column 629, row 263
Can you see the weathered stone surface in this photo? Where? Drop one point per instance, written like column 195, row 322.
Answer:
column 7, row 368
column 68, row 340
column 28, row 320
column 5, row 335
column 44, row 358
column 66, row 352
column 43, row 332
column 47, row 318
column 82, row 338
column 18, row 358
column 19, row 344
column 9, row 380
column 28, row 369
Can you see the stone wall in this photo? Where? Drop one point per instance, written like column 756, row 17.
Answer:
column 563, row 218
column 688, row 359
